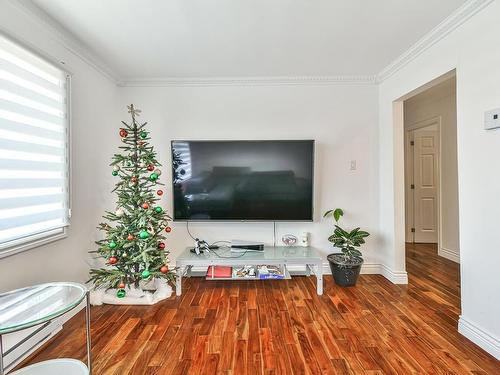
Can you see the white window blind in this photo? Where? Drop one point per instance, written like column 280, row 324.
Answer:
column 34, row 173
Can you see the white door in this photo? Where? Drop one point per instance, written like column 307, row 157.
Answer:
column 425, row 186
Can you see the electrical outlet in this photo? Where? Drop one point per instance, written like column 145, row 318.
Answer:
column 353, row 165
column 492, row 119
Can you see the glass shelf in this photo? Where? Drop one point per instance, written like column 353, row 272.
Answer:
column 286, row 276
column 28, row 307
column 224, row 255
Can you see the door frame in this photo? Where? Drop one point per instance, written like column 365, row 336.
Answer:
column 409, row 198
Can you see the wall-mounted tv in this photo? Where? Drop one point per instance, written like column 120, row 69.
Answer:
column 243, row 180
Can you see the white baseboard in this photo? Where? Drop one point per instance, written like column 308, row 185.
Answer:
column 395, row 277
column 38, row 338
column 371, row 269
column 479, row 337
column 366, row 269
column 452, row 255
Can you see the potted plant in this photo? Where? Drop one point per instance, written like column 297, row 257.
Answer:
column 346, row 265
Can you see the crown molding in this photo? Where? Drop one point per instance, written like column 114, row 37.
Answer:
column 249, row 81
column 64, row 37
column 69, row 41
column 452, row 22
column 81, row 50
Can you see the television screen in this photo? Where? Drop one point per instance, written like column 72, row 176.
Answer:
column 243, row 180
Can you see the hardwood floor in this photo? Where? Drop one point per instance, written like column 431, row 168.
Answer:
column 283, row 327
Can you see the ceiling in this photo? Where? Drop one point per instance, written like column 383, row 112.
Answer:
column 155, row 39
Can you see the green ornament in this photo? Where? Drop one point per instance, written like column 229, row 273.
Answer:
column 114, row 173
column 153, row 177
column 143, row 134
column 112, row 245
column 129, row 163
column 158, row 210
column 120, row 293
column 145, row 274
column 143, row 234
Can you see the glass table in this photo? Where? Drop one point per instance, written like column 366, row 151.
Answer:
column 272, row 255
column 37, row 306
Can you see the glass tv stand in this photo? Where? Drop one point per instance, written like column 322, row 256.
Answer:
column 283, row 256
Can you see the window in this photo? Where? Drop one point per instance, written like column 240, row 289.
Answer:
column 34, row 162
column 183, row 172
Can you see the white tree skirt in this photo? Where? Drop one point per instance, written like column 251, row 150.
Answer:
column 149, row 294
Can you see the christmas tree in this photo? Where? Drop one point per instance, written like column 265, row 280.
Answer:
column 134, row 244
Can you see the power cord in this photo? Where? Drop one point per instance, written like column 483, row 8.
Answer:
column 190, row 235
column 216, row 242
column 213, row 243
column 274, row 233
column 231, row 257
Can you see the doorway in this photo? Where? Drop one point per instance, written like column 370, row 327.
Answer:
column 431, row 169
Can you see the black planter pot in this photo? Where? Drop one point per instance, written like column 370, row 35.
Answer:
column 344, row 273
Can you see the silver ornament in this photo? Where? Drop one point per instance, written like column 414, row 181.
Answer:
column 157, row 171
column 119, row 212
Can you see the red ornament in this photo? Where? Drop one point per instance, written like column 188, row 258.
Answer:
column 168, row 229
column 112, row 260
column 123, row 133
column 161, row 245
column 151, row 167
column 141, row 143
column 121, row 286
column 130, row 237
column 145, row 205
column 133, row 179
column 164, row 269
column 159, row 192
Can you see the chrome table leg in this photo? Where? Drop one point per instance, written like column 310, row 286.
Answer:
column 1, row 357
column 87, row 327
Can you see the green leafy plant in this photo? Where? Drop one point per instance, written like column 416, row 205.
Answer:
column 347, row 241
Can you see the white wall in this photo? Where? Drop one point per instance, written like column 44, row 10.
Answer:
column 94, row 120
column 341, row 118
column 440, row 101
column 469, row 50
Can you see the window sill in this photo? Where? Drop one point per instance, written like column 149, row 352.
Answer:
column 43, row 239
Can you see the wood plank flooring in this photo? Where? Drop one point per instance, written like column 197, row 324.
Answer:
column 283, row 327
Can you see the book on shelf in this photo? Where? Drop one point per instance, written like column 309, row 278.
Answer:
column 219, row 272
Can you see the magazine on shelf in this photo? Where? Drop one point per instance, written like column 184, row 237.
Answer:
column 244, row 272
column 270, row 272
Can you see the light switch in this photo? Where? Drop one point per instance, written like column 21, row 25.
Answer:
column 492, row 119
column 353, row 165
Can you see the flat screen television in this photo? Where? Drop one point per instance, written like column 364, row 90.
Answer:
column 243, row 180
